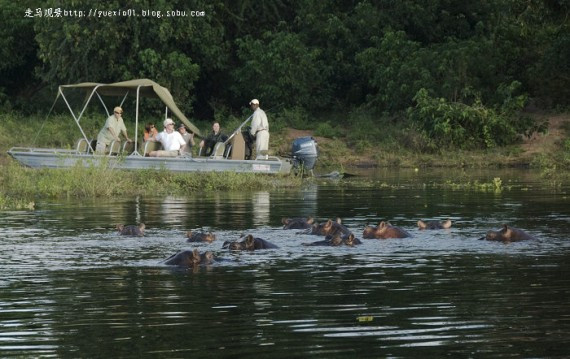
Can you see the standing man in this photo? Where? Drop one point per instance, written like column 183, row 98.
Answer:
column 172, row 142
column 110, row 132
column 259, row 130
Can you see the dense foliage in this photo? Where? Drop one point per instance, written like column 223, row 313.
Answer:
column 388, row 57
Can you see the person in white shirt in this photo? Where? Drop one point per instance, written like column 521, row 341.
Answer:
column 172, row 142
column 259, row 130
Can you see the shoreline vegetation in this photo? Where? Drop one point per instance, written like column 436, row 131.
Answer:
column 547, row 152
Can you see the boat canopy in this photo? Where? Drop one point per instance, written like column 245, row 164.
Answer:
column 142, row 87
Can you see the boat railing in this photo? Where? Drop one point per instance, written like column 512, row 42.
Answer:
column 43, row 150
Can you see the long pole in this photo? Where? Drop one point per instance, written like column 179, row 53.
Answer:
column 237, row 130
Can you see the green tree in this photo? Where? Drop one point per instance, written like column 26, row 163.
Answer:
column 117, row 48
column 280, row 69
column 18, row 58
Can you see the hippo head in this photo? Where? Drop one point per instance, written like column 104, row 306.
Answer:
column 349, row 240
column 249, row 242
column 369, row 232
column 207, row 258
column 382, row 226
column 327, row 227
column 434, row 224
column 209, row 237
column 503, row 234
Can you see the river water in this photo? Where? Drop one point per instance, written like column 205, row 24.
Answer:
column 71, row 287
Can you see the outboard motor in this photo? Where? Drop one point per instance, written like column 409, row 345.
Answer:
column 304, row 152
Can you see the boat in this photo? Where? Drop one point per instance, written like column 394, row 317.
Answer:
column 227, row 156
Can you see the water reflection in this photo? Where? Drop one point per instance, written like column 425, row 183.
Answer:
column 261, row 206
column 69, row 284
column 173, row 210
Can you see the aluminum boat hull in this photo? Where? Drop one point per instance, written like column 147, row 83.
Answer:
column 59, row 158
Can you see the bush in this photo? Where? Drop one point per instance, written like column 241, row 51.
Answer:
column 295, row 117
column 457, row 125
column 324, row 129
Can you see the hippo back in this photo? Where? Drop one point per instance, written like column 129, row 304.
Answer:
column 130, row 230
column 200, row 237
column 384, row 230
column 297, row 223
column 508, row 234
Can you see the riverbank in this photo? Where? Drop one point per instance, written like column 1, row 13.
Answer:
column 548, row 153
column 544, row 151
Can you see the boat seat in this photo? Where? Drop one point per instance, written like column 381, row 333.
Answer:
column 114, row 148
column 228, row 151
column 82, row 146
column 128, row 148
column 151, row 146
column 218, row 151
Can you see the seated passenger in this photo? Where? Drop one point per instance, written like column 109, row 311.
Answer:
column 172, row 142
column 188, row 137
column 149, row 131
column 207, row 145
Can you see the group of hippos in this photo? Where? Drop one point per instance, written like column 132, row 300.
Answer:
column 335, row 233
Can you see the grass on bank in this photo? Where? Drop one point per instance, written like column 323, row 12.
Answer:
column 20, row 186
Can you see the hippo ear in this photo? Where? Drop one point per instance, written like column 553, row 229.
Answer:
column 249, row 239
column 338, row 220
column 351, row 237
column 310, row 220
column 422, row 224
column 189, row 234
column 141, row 226
column 447, row 224
column 120, row 227
column 328, row 224
column 382, row 225
column 284, row 220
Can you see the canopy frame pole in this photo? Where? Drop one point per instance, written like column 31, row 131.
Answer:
column 45, row 119
column 81, row 113
column 166, row 113
column 136, row 119
column 103, row 103
column 124, row 98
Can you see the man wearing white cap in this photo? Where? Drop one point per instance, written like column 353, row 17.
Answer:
column 110, row 132
column 172, row 142
column 259, row 130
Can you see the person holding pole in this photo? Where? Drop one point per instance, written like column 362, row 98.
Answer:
column 259, row 130
column 110, row 132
